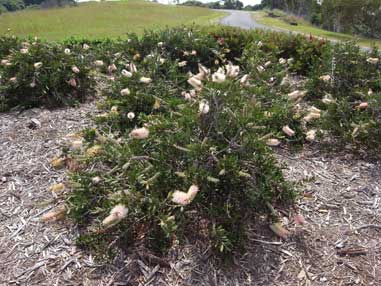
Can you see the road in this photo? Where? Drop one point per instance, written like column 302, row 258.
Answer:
column 241, row 19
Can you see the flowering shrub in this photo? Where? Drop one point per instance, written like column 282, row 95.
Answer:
column 43, row 74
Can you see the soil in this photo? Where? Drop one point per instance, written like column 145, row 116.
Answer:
column 339, row 244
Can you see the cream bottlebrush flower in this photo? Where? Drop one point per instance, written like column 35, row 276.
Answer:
column 273, row 142
column 117, row 213
column 145, row 80
column 295, row 95
column 195, row 82
column 282, row 61
column 182, row 64
column 76, row 144
column 325, row 78
column 57, row 188
column 160, row 44
column 267, row 64
column 4, row 62
column 57, row 162
column 55, row 214
column 114, row 110
column 290, row 61
column 194, row 53
column 373, row 61
column 288, row 131
column 126, row 73
column 232, row 71
column 111, row 68
column 260, row 44
column 139, row 133
column 13, row 79
column 311, row 135
column 328, row 99
column 203, row 107
column 362, row 105
column 218, row 77
column 125, row 92
column 130, row 115
column 75, row 69
column 37, row 65
column 162, row 60
column 85, row 47
column 132, row 68
column 72, row 82
column 67, row 51
column 370, row 91
column 182, row 198
column 260, row 69
column 99, row 63
column 24, row 51
column 94, row 151
column 313, row 109
column 244, row 81
column 96, row 180
column 311, row 116
column 202, row 69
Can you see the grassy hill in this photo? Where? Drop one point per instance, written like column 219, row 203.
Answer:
column 101, row 19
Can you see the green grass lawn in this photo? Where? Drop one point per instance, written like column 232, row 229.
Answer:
column 306, row 28
column 102, row 19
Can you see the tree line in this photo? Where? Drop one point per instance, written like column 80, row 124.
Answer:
column 14, row 5
column 362, row 17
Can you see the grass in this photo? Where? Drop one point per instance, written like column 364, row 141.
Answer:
column 304, row 27
column 102, row 19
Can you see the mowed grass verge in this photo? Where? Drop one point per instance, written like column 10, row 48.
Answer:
column 102, row 19
column 304, row 27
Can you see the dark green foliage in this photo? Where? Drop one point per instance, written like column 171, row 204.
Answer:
column 41, row 74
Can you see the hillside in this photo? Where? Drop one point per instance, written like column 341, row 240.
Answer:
column 101, row 19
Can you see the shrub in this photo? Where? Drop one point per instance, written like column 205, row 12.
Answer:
column 43, row 74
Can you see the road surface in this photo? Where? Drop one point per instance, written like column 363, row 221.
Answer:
column 241, row 19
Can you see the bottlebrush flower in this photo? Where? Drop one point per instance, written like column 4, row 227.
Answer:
column 373, row 61
column 13, row 79
column 125, row 92
column 145, row 80
column 195, row 82
column 202, row 69
column 218, row 77
column 260, row 69
column 194, row 53
column 57, row 162
column 160, row 44
column 203, row 107
column 76, row 144
column 96, row 180
column 75, row 69
column 290, row 61
column 111, row 68
column 56, row 188
column 94, row 151
column 67, row 51
column 259, row 44
column 325, row 78
column 232, row 71
column 328, row 99
column 314, row 113
column 132, row 68
column 139, row 133
column 362, row 105
column 130, row 115
column 182, row 198
column 5, row 62
column 279, row 230
column 98, row 63
column 272, row 142
column 85, row 47
column 288, row 131
column 54, row 215
column 162, row 60
column 114, row 109
column 126, row 73
column 72, row 82
column 244, row 81
column 136, row 57
column 267, row 64
column 117, row 213
column 295, row 95
column 311, row 135
column 282, row 61
column 24, row 51
column 182, row 64
column 37, row 65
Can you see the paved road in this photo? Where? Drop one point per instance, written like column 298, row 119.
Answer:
column 241, row 19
